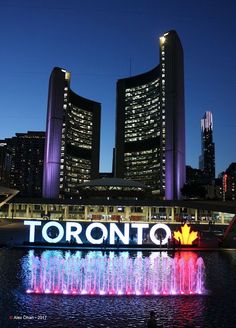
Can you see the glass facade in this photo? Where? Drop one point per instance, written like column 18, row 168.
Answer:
column 76, row 137
column 142, row 112
column 143, row 133
column 143, row 124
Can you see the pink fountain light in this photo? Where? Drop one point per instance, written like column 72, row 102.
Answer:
column 154, row 275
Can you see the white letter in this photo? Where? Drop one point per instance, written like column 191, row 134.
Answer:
column 140, row 227
column 123, row 237
column 89, row 230
column 56, row 239
column 155, row 228
column 74, row 233
column 32, row 225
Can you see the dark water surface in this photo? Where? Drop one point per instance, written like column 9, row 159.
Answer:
column 215, row 309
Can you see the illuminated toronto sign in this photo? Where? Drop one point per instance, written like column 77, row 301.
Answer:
column 97, row 233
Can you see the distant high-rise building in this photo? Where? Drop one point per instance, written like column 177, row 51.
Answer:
column 229, row 182
column 72, row 138
column 207, row 157
column 3, row 163
column 150, row 123
column 22, row 162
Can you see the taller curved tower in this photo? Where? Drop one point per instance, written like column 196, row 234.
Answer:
column 72, row 138
column 150, row 123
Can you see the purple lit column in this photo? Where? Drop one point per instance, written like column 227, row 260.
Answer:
column 172, row 89
column 52, row 153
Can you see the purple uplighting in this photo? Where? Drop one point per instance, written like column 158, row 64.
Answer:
column 52, row 155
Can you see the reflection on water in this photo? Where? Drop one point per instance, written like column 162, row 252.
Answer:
column 106, row 274
column 214, row 309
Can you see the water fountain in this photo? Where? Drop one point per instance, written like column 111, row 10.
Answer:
column 116, row 275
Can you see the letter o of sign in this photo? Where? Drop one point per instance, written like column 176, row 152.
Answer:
column 45, row 230
column 89, row 231
column 155, row 228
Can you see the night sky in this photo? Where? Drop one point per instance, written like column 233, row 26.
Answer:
column 96, row 40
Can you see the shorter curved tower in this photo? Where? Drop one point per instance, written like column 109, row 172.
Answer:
column 72, row 138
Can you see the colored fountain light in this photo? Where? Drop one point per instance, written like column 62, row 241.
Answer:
column 153, row 275
column 185, row 236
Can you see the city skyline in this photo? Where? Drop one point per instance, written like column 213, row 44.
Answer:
column 36, row 39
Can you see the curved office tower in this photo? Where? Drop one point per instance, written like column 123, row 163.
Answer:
column 150, row 123
column 72, row 138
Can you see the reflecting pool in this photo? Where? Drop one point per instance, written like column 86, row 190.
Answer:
column 107, row 289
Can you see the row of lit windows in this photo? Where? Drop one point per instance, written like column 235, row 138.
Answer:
column 142, row 116
column 83, row 123
column 142, row 86
column 134, row 92
column 80, row 178
column 148, row 97
column 132, row 111
column 153, row 162
column 137, row 165
column 144, row 128
column 81, row 113
column 142, row 172
column 72, row 171
column 79, row 133
column 139, row 103
column 145, row 166
column 75, row 162
column 142, row 157
column 149, row 180
column 135, row 137
column 150, row 104
column 142, row 119
column 79, row 127
column 79, row 139
column 82, row 143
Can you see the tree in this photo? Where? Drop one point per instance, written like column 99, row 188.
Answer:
column 193, row 190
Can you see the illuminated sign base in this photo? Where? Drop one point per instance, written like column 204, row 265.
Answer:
column 111, row 292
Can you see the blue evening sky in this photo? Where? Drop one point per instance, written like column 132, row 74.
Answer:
column 97, row 39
